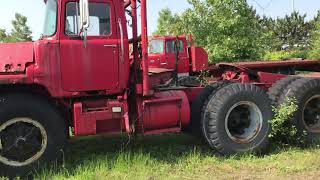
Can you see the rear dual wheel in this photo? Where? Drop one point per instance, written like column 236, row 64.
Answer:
column 198, row 104
column 306, row 93
column 279, row 87
column 235, row 119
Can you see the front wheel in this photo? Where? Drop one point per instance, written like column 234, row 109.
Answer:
column 236, row 118
column 31, row 133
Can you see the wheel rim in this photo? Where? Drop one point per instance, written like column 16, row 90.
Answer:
column 22, row 141
column 243, row 122
column 311, row 114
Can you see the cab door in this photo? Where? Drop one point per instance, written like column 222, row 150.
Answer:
column 184, row 64
column 93, row 64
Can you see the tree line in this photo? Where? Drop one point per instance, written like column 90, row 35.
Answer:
column 229, row 30
column 20, row 31
column 232, row 30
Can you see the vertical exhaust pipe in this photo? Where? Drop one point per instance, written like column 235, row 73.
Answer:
column 144, row 42
column 135, row 42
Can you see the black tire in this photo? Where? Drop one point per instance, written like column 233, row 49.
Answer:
column 227, row 140
column 36, row 118
column 277, row 89
column 198, row 103
column 306, row 93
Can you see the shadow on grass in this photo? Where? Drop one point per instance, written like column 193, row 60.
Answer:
column 162, row 149
column 167, row 148
column 170, row 149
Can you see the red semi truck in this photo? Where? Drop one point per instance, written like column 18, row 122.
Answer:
column 81, row 76
column 177, row 53
column 162, row 53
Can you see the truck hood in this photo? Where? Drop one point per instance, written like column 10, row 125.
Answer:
column 15, row 56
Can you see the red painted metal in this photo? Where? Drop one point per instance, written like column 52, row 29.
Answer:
column 194, row 57
column 199, row 59
column 308, row 65
column 97, row 117
column 135, row 43
column 15, row 56
column 167, row 59
column 158, row 61
column 90, row 76
column 269, row 78
column 190, row 40
column 166, row 110
column 96, row 66
column 66, row 73
column 144, row 42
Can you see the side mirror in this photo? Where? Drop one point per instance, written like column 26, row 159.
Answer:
column 84, row 20
column 84, row 15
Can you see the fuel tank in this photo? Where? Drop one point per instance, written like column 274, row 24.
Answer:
column 166, row 110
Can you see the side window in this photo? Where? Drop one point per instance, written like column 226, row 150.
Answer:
column 100, row 22
column 170, row 46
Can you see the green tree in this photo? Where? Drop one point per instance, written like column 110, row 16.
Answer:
column 293, row 30
column 315, row 42
column 316, row 19
column 227, row 29
column 167, row 22
column 3, row 35
column 268, row 26
column 21, row 31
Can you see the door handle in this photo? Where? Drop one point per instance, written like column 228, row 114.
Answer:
column 110, row 45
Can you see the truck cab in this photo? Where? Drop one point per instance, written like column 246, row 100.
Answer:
column 166, row 51
column 162, row 53
column 67, row 64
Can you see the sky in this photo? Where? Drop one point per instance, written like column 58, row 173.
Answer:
column 34, row 10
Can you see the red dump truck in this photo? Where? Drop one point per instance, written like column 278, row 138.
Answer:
column 80, row 77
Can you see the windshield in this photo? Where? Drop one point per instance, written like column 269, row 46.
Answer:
column 156, row 46
column 50, row 23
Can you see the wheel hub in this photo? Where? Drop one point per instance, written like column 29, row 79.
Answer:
column 311, row 114
column 243, row 122
column 22, row 141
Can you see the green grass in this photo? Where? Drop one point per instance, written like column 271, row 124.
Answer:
column 177, row 157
